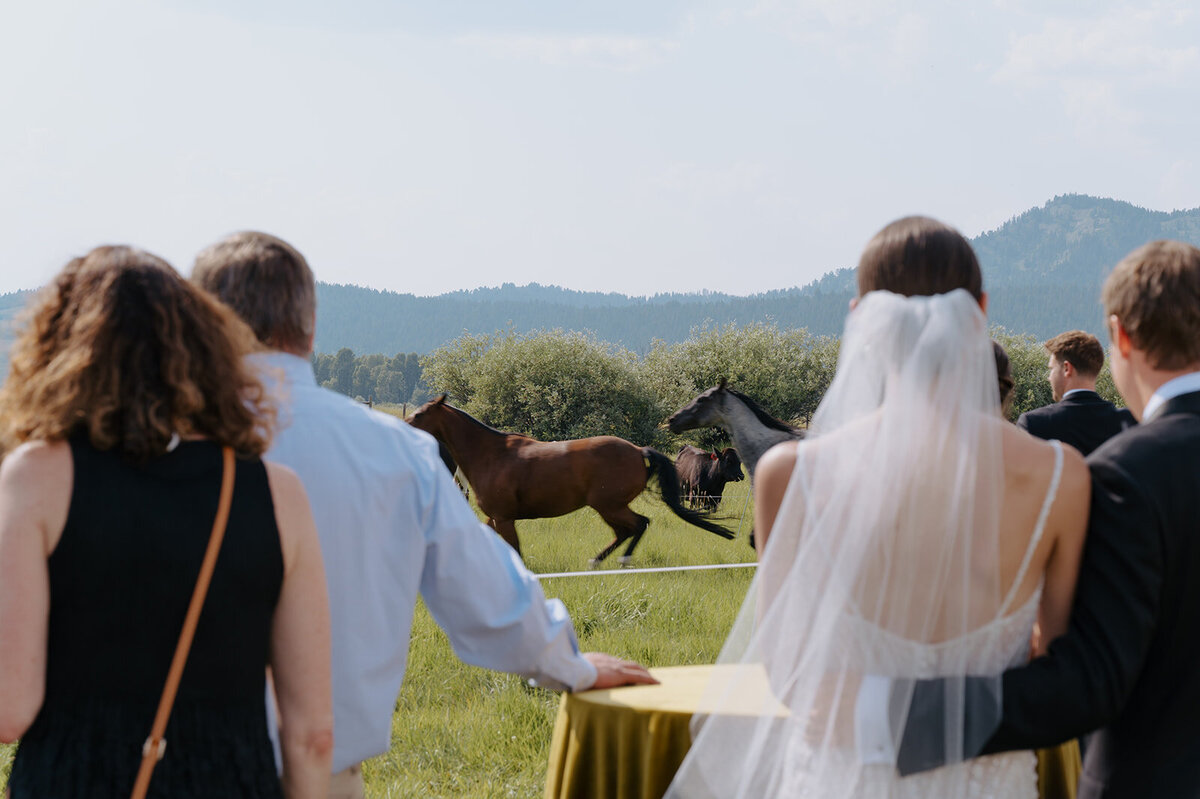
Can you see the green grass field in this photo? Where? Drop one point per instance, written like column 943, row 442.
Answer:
column 460, row 731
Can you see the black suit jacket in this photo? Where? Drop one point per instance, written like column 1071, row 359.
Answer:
column 1085, row 420
column 1129, row 664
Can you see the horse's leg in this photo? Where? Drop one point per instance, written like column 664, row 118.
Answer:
column 507, row 530
column 608, row 550
column 625, row 523
column 643, row 523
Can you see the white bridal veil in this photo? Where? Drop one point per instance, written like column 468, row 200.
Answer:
column 882, row 561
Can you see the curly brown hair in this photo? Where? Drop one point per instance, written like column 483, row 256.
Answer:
column 121, row 347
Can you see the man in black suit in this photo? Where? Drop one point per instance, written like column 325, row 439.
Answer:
column 1079, row 416
column 1129, row 665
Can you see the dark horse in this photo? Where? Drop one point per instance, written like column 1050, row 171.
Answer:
column 517, row 477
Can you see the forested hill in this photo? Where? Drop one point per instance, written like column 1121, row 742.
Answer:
column 368, row 321
column 1042, row 268
column 10, row 307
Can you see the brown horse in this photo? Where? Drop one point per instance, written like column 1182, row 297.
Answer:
column 518, row 477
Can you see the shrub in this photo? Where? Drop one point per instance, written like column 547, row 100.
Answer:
column 552, row 385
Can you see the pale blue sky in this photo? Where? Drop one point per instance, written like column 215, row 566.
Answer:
column 625, row 145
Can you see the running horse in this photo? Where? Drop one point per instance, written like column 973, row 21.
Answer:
column 753, row 430
column 518, row 477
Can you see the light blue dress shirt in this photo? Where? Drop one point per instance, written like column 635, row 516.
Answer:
column 393, row 524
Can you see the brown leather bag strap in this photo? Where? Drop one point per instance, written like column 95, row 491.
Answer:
column 155, row 746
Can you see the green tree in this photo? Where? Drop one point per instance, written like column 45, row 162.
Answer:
column 451, row 368
column 341, row 372
column 367, row 372
column 551, row 385
column 322, row 367
column 785, row 371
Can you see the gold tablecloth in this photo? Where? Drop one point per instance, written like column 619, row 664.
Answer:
column 627, row 743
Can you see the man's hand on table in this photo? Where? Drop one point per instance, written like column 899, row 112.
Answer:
column 612, row 672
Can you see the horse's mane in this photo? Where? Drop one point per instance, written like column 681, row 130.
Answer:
column 764, row 417
column 485, row 426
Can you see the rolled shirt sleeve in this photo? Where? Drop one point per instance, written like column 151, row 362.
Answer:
column 490, row 605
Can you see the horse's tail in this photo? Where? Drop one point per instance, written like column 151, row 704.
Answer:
column 661, row 467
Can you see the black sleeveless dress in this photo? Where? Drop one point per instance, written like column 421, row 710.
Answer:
column 120, row 582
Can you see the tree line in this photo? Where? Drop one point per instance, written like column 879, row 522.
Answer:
column 1043, row 270
column 556, row 385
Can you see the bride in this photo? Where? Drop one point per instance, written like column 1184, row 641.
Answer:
column 913, row 534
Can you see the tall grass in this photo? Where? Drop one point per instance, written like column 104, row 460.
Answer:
column 461, row 731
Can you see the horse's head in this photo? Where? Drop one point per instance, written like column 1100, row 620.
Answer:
column 431, row 417
column 704, row 411
column 731, row 464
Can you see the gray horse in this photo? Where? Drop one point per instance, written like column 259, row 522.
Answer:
column 753, row 430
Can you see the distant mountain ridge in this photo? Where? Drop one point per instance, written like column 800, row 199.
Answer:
column 1069, row 244
column 1043, row 269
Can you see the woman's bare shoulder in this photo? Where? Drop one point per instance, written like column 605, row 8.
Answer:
column 777, row 463
column 1025, row 454
column 37, row 462
column 285, row 483
column 1028, row 459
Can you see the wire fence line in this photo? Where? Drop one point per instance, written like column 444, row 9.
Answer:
column 654, row 570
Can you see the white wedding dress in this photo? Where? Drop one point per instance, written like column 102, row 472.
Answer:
column 883, row 561
column 990, row 649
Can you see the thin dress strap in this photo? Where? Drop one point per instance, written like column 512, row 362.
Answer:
column 1038, row 529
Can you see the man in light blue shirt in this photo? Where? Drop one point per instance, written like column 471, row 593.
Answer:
column 392, row 524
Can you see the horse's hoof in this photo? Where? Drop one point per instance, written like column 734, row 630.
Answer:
column 594, row 563
column 624, row 561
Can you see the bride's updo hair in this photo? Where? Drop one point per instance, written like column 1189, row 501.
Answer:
column 919, row 256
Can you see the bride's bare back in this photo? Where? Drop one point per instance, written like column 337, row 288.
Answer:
column 1028, row 467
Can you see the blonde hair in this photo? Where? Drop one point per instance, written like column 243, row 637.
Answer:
column 1155, row 292
column 122, row 348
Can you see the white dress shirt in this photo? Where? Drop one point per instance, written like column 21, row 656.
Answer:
column 392, row 523
column 1184, row 384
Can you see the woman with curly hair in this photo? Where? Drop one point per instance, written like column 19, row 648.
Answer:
column 126, row 384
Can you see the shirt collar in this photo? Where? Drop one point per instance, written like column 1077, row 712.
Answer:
column 1184, row 384
column 287, row 368
column 1077, row 391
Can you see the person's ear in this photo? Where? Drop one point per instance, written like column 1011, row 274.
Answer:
column 1119, row 336
column 853, row 303
column 1068, row 369
column 983, row 300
